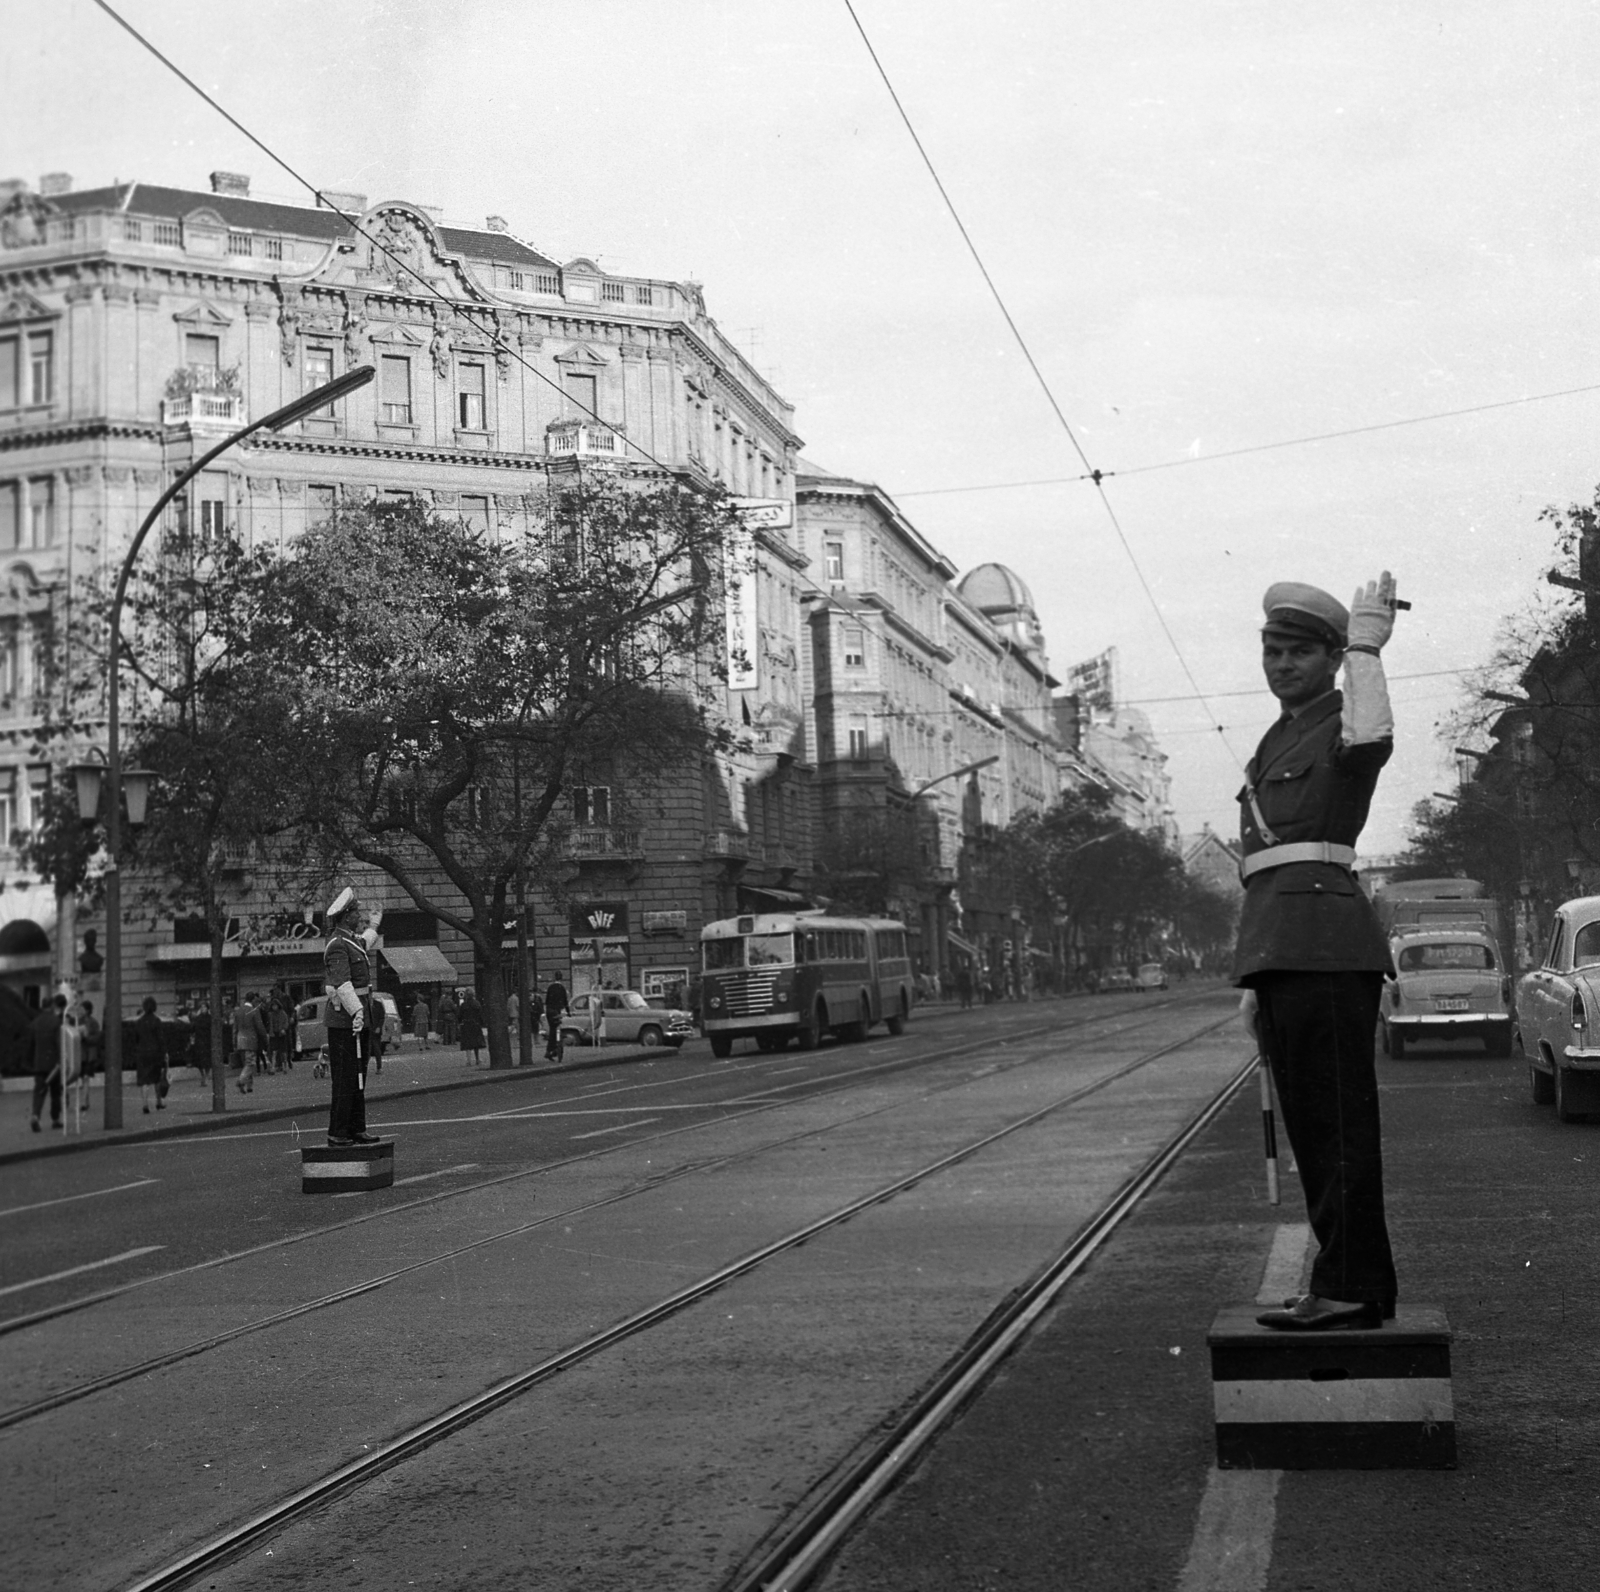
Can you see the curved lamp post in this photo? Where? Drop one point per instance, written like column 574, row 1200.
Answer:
column 135, row 783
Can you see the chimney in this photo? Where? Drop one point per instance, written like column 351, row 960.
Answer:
column 55, row 183
column 496, row 224
column 232, row 183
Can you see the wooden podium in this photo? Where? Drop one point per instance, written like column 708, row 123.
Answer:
column 1374, row 1399
column 347, row 1168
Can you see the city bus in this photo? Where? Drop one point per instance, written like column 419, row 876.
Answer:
column 774, row 976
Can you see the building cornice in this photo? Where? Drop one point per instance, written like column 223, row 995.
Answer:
column 80, row 431
column 897, row 621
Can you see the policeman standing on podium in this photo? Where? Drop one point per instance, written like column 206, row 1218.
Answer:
column 1311, row 954
column 348, row 977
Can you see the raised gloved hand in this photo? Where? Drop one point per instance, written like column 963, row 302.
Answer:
column 1372, row 613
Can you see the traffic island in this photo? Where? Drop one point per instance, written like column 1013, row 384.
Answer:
column 347, row 1168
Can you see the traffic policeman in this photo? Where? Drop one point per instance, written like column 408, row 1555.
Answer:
column 1311, row 954
column 348, row 979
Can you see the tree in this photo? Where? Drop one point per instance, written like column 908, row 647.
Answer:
column 447, row 690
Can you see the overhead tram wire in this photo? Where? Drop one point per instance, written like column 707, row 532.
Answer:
column 1259, row 447
column 1094, row 475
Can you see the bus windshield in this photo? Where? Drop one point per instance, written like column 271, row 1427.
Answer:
column 723, row 953
column 767, row 950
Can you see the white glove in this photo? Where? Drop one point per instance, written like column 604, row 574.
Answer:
column 1372, row 613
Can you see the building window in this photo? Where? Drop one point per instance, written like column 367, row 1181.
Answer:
column 8, row 806
column 644, row 295
column 42, row 511
column 168, row 233
column 546, row 282
column 210, row 506
column 10, row 372
column 469, row 397
column 273, row 248
column 38, row 786
column 833, row 559
column 516, row 281
column 319, row 372
column 8, row 675
column 202, row 350
column 132, row 230
column 584, row 402
column 475, row 511
column 855, row 647
column 239, row 243
column 858, row 736
column 10, row 516
column 591, row 804
column 612, row 292
column 41, row 368
column 395, row 393
column 320, row 504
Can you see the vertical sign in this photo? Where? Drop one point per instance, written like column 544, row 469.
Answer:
column 739, row 574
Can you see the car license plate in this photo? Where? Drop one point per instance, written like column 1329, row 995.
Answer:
column 1451, row 1006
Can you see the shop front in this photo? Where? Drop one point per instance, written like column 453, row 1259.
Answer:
column 600, row 948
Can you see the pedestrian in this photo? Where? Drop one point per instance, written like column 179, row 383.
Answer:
column 1311, row 955
column 46, row 1034
column 347, row 975
column 448, row 1007
column 535, row 1012
column 471, row 1020
column 420, row 1018
column 374, row 1031
column 251, row 1039
column 556, row 1005
column 513, row 1011
column 964, row 984
column 93, row 1041
column 149, row 1055
column 280, row 1019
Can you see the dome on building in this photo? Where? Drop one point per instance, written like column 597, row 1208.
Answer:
column 993, row 586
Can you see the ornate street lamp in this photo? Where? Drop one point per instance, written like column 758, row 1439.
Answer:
column 135, row 788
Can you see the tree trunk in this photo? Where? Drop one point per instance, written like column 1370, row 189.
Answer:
column 496, row 1029
column 219, row 1055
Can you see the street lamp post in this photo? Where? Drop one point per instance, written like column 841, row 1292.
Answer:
column 317, row 398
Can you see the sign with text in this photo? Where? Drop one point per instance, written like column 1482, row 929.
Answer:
column 771, row 514
column 742, row 619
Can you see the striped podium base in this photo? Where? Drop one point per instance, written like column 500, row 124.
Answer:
column 346, row 1168
column 1370, row 1400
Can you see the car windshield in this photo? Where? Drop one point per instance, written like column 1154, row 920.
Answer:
column 1451, row 956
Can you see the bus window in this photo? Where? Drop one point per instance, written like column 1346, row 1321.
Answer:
column 808, row 945
column 721, row 954
column 858, row 946
column 767, row 950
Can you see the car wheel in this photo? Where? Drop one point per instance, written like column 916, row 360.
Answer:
column 1561, row 1093
column 1394, row 1044
column 650, row 1035
column 721, row 1046
column 1540, row 1085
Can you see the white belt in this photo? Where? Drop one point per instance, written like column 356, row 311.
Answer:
column 1298, row 851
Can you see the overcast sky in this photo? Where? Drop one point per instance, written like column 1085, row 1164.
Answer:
column 1218, row 225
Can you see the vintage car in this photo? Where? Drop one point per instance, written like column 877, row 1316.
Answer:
column 311, row 1024
column 1558, row 1013
column 623, row 1017
column 1448, row 984
column 1115, row 982
column 1151, row 975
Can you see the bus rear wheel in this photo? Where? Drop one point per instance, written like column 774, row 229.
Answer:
column 721, row 1046
column 896, row 1021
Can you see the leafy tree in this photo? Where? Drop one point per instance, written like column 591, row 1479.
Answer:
column 447, row 689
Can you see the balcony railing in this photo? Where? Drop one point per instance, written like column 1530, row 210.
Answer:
column 727, row 843
column 604, row 841
column 582, row 439
column 204, row 411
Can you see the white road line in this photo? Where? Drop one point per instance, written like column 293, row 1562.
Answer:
column 1231, row 1550
column 444, row 1171
column 73, row 1271
column 621, row 1127
column 94, row 1193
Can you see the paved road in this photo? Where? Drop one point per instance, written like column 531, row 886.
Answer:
column 553, row 1207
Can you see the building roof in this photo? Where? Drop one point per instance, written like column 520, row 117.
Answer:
column 992, row 586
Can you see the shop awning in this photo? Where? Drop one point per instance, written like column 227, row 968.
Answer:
column 960, row 944
column 419, row 964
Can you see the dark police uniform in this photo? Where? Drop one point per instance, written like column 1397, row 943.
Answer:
column 1311, row 948
column 345, row 960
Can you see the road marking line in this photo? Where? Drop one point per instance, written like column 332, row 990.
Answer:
column 1231, row 1550
column 73, row 1271
column 94, row 1193
column 621, row 1127
column 444, row 1171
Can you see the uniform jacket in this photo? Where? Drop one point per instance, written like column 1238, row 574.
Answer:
column 1309, row 916
column 345, row 961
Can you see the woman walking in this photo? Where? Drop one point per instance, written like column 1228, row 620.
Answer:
column 471, row 1021
column 250, row 1039
column 149, row 1055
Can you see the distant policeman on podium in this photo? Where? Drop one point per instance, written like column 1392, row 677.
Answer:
column 1311, row 954
column 348, row 979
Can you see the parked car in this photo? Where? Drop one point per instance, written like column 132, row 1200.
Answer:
column 1448, row 984
column 623, row 1017
column 1558, row 1013
column 1152, row 975
column 1117, row 981
column 311, row 1024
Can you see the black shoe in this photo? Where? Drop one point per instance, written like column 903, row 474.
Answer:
column 337, row 1141
column 1386, row 1307
column 365, row 1138
column 36, row 1127
column 1311, row 1314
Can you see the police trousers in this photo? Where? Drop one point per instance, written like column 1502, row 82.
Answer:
column 1316, row 1031
column 348, row 1068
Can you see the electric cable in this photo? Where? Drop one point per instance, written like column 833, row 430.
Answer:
column 1094, row 475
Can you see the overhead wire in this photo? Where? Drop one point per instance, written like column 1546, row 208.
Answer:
column 1094, row 475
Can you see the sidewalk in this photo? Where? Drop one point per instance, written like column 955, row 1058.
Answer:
column 409, row 1070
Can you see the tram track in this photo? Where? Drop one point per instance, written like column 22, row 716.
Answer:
column 264, row 1525
column 75, row 1393
column 834, row 1084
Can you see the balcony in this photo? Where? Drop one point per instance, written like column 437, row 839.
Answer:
column 583, row 439
column 728, row 843
column 603, row 843
column 204, row 411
